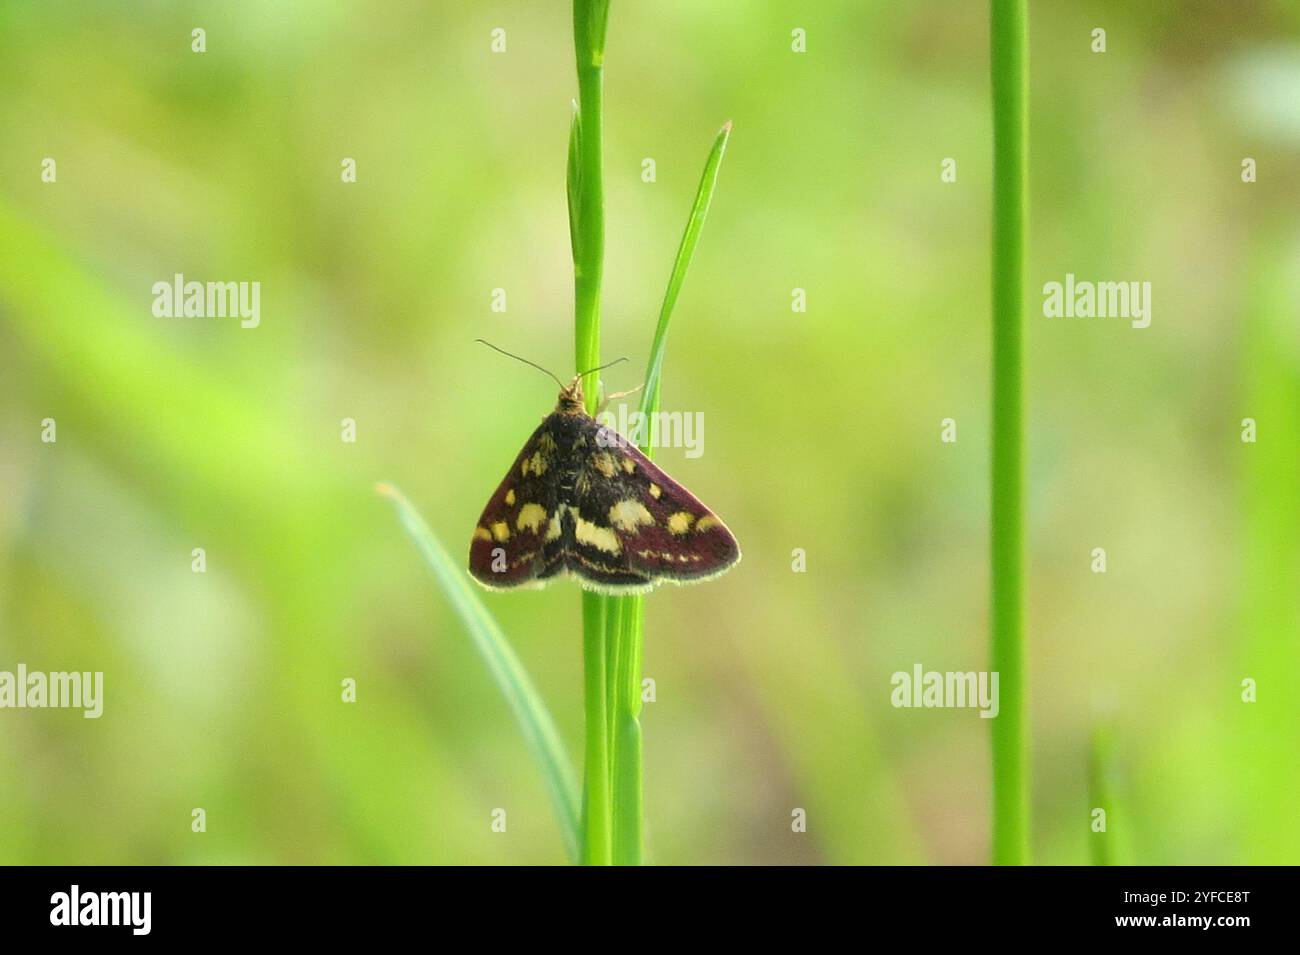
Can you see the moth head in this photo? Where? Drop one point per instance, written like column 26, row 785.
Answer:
column 572, row 400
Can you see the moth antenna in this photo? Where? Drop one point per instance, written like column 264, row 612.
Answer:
column 602, row 367
column 524, row 360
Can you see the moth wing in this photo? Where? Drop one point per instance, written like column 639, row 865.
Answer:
column 509, row 541
column 665, row 532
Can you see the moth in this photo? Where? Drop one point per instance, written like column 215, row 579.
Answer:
column 581, row 500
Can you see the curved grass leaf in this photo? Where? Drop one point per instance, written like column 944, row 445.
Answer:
column 625, row 618
column 530, row 712
column 685, row 252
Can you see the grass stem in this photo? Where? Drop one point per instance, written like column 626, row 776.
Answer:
column 628, row 772
column 587, row 235
column 1009, row 55
column 596, row 804
column 585, row 180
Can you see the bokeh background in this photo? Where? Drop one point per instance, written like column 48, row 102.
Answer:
column 822, row 428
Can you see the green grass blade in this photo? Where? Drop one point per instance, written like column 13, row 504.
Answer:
column 626, row 615
column 1009, row 55
column 685, row 252
column 573, row 184
column 530, row 712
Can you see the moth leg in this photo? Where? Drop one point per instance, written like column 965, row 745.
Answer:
column 604, row 402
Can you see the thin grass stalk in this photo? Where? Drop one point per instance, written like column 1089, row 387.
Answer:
column 628, row 771
column 587, row 235
column 613, row 660
column 1268, row 737
column 1009, row 56
column 596, row 826
column 586, row 170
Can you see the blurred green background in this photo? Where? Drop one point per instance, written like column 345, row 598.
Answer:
column 223, row 689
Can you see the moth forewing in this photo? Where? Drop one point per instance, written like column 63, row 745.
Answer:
column 580, row 499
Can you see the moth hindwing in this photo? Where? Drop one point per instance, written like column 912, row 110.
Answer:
column 580, row 499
